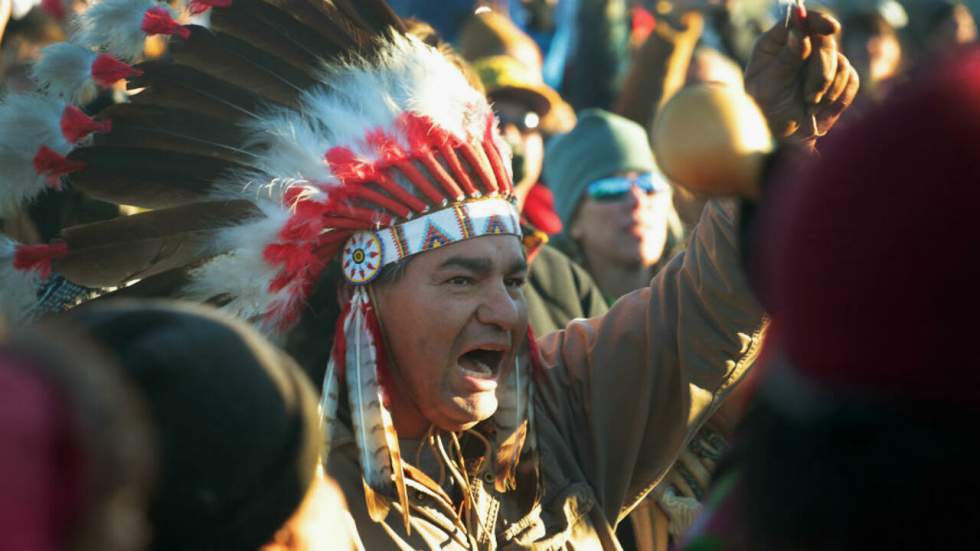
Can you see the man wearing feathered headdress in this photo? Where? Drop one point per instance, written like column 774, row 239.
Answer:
column 285, row 140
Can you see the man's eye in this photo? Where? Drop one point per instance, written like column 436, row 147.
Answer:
column 516, row 282
column 460, row 281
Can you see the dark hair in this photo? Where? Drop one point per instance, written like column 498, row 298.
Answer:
column 236, row 420
column 859, row 475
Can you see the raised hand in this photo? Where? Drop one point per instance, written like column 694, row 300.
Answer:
column 799, row 78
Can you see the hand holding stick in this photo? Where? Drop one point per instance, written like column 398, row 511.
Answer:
column 799, row 78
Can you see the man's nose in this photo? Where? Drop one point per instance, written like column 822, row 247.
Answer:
column 500, row 308
column 634, row 197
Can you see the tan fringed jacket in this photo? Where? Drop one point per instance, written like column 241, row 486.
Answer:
column 620, row 397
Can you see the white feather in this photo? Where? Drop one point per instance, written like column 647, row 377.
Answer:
column 329, row 404
column 242, row 274
column 290, row 146
column 18, row 289
column 365, row 400
column 361, row 96
column 27, row 121
column 115, row 26
column 65, row 71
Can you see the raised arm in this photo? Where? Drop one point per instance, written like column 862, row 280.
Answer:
column 628, row 389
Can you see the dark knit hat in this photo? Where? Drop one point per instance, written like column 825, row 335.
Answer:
column 870, row 269
column 600, row 145
column 237, row 421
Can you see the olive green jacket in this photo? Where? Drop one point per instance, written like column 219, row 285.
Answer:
column 618, row 398
column 558, row 291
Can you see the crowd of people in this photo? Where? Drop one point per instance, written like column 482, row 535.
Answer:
column 511, row 274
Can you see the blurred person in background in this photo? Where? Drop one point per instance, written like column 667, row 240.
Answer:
column 509, row 65
column 488, row 33
column 77, row 459
column 873, row 46
column 614, row 203
column 938, row 27
column 237, row 425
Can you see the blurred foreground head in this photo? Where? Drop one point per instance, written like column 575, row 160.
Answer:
column 869, row 272
column 236, row 420
column 76, row 456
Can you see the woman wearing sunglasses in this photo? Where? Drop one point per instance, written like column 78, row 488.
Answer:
column 614, row 203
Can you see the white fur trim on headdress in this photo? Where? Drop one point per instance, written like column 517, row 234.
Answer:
column 116, row 26
column 243, row 274
column 64, row 70
column 27, row 122
column 74, row 73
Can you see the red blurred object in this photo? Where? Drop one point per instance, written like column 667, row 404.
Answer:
column 539, row 210
column 643, row 24
column 75, row 124
column 41, row 466
column 54, row 8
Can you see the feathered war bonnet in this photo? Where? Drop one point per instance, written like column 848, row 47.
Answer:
column 265, row 145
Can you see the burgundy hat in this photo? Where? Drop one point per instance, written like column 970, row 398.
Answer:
column 870, row 267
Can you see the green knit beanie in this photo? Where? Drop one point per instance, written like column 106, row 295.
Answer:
column 600, row 145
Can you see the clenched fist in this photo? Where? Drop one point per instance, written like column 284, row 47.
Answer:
column 799, row 78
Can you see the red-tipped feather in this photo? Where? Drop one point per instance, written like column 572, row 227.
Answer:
column 157, row 20
column 198, row 7
column 497, row 165
column 39, row 257
column 364, row 193
column 75, row 124
column 107, row 70
column 387, row 184
column 469, row 153
column 48, row 162
column 439, row 173
column 347, row 167
column 457, row 169
column 504, row 185
column 421, row 182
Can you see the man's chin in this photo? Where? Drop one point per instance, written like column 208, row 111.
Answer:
column 467, row 412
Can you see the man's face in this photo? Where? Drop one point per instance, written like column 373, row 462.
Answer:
column 519, row 128
column 628, row 230
column 453, row 321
